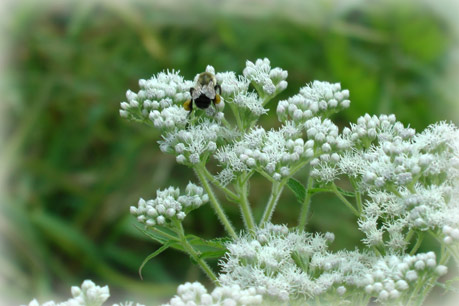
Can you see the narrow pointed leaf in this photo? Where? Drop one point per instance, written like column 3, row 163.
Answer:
column 298, row 189
column 151, row 256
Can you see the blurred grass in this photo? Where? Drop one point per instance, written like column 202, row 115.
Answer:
column 74, row 167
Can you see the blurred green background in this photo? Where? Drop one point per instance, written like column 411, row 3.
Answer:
column 72, row 166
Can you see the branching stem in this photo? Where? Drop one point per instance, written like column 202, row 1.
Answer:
column 303, row 219
column 344, row 200
column 214, row 202
column 245, row 206
column 193, row 253
column 276, row 191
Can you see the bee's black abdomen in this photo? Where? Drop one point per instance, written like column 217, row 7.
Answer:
column 202, row 101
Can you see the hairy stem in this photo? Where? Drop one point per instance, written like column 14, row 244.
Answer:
column 235, row 110
column 273, row 199
column 245, row 206
column 216, row 183
column 358, row 196
column 344, row 200
column 214, row 202
column 303, row 219
column 418, row 243
column 192, row 252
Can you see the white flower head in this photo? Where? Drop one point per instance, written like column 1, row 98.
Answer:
column 196, row 294
column 88, row 294
column 169, row 205
column 266, row 80
column 273, row 152
column 158, row 93
column 317, row 98
column 194, row 143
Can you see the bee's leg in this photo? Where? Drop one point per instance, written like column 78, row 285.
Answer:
column 188, row 105
column 218, row 92
column 218, row 88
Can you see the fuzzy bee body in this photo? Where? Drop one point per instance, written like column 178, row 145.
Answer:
column 205, row 92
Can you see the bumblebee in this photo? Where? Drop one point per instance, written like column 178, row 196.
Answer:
column 205, row 92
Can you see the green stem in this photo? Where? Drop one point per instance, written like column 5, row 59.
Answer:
column 226, row 123
column 454, row 253
column 344, row 200
column 267, row 176
column 214, row 202
column 237, row 116
column 298, row 167
column 418, row 243
column 394, row 190
column 273, row 199
column 245, row 206
column 168, row 236
column 306, row 204
column 358, row 196
column 214, row 181
column 409, row 235
column 192, row 252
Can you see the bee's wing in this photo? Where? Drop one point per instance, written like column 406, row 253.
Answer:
column 209, row 90
column 196, row 92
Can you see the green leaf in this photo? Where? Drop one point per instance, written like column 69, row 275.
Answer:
column 346, row 193
column 216, row 254
column 153, row 255
column 213, row 248
column 298, row 189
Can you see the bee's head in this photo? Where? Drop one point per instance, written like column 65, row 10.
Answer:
column 205, row 78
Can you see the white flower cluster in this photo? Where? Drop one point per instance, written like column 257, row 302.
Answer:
column 324, row 134
column 251, row 102
column 382, row 153
column 266, row 80
column 273, row 262
column 288, row 265
column 194, row 144
column 392, row 276
column 195, row 294
column 230, row 83
column 89, row 294
column 273, row 152
column 451, row 234
column 169, row 204
column 317, row 98
column 159, row 99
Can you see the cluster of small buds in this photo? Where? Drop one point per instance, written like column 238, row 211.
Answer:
column 392, row 275
column 251, row 102
column 326, row 144
column 424, row 208
column 266, row 80
column 440, row 143
column 386, row 154
column 88, row 294
column 267, row 262
column 266, row 233
column 316, row 99
column 451, row 234
column 155, row 95
column 273, row 152
column 169, row 118
column 384, row 128
column 230, row 84
column 195, row 294
column 193, row 144
column 169, row 205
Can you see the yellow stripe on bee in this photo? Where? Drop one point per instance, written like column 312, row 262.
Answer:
column 217, row 99
column 187, row 105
